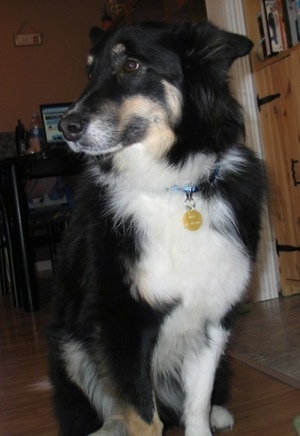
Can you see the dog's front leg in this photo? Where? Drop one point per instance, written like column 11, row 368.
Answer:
column 130, row 424
column 137, row 427
column 198, row 377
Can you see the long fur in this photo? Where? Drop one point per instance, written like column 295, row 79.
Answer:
column 143, row 306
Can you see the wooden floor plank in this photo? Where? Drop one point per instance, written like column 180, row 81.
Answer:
column 267, row 337
column 262, row 405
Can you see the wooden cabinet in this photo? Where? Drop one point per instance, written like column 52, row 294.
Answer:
column 278, row 79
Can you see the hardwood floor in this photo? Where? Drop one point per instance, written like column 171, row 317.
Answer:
column 267, row 337
column 261, row 404
column 24, row 396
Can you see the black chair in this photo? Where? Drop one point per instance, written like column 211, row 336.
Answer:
column 48, row 217
column 46, row 228
column 7, row 270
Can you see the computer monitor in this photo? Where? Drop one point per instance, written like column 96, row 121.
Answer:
column 51, row 114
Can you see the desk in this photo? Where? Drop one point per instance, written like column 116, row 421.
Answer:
column 15, row 171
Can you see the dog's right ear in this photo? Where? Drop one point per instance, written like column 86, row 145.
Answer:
column 209, row 47
column 95, row 34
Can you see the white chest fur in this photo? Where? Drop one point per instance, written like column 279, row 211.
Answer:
column 206, row 269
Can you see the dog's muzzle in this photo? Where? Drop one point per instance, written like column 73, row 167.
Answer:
column 72, row 127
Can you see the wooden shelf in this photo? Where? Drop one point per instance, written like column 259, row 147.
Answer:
column 251, row 11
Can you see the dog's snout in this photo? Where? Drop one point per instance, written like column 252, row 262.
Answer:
column 72, row 127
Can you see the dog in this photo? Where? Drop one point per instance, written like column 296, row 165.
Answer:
column 162, row 241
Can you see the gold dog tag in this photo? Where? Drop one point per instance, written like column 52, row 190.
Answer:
column 192, row 220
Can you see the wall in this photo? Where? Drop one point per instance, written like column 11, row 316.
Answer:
column 52, row 72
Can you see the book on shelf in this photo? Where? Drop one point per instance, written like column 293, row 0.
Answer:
column 262, row 42
column 298, row 18
column 290, row 11
column 270, row 10
column 279, row 25
column 264, row 30
column 282, row 23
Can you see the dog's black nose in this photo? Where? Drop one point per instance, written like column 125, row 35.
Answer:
column 72, row 127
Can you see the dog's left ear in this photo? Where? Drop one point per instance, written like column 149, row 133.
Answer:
column 95, row 34
column 207, row 44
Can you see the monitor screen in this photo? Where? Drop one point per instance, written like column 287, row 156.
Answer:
column 51, row 114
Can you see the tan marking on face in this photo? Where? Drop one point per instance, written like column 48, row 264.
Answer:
column 118, row 49
column 137, row 427
column 160, row 135
column 90, row 60
column 174, row 101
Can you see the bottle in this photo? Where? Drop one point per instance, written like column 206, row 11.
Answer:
column 20, row 137
column 36, row 134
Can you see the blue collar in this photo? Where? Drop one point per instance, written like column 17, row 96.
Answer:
column 190, row 189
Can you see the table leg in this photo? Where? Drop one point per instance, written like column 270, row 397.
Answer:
column 23, row 251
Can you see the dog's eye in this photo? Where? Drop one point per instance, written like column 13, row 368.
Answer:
column 131, row 66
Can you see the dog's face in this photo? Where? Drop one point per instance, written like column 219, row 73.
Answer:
column 152, row 85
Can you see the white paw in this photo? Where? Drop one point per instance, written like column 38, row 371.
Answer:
column 198, row 432
column 220, row 418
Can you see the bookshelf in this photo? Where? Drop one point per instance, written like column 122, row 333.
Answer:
column 277, row 82
column 258, row 59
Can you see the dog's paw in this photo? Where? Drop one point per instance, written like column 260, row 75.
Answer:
column 201, row 432
column 220, row 418
column 198, row 428
column 110, row 430
column 100, row 432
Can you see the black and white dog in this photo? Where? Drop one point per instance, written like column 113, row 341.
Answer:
column 163, row 238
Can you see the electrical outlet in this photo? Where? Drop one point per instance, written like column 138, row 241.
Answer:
column 28, row 39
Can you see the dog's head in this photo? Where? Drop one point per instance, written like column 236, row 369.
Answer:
column 158, row 86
